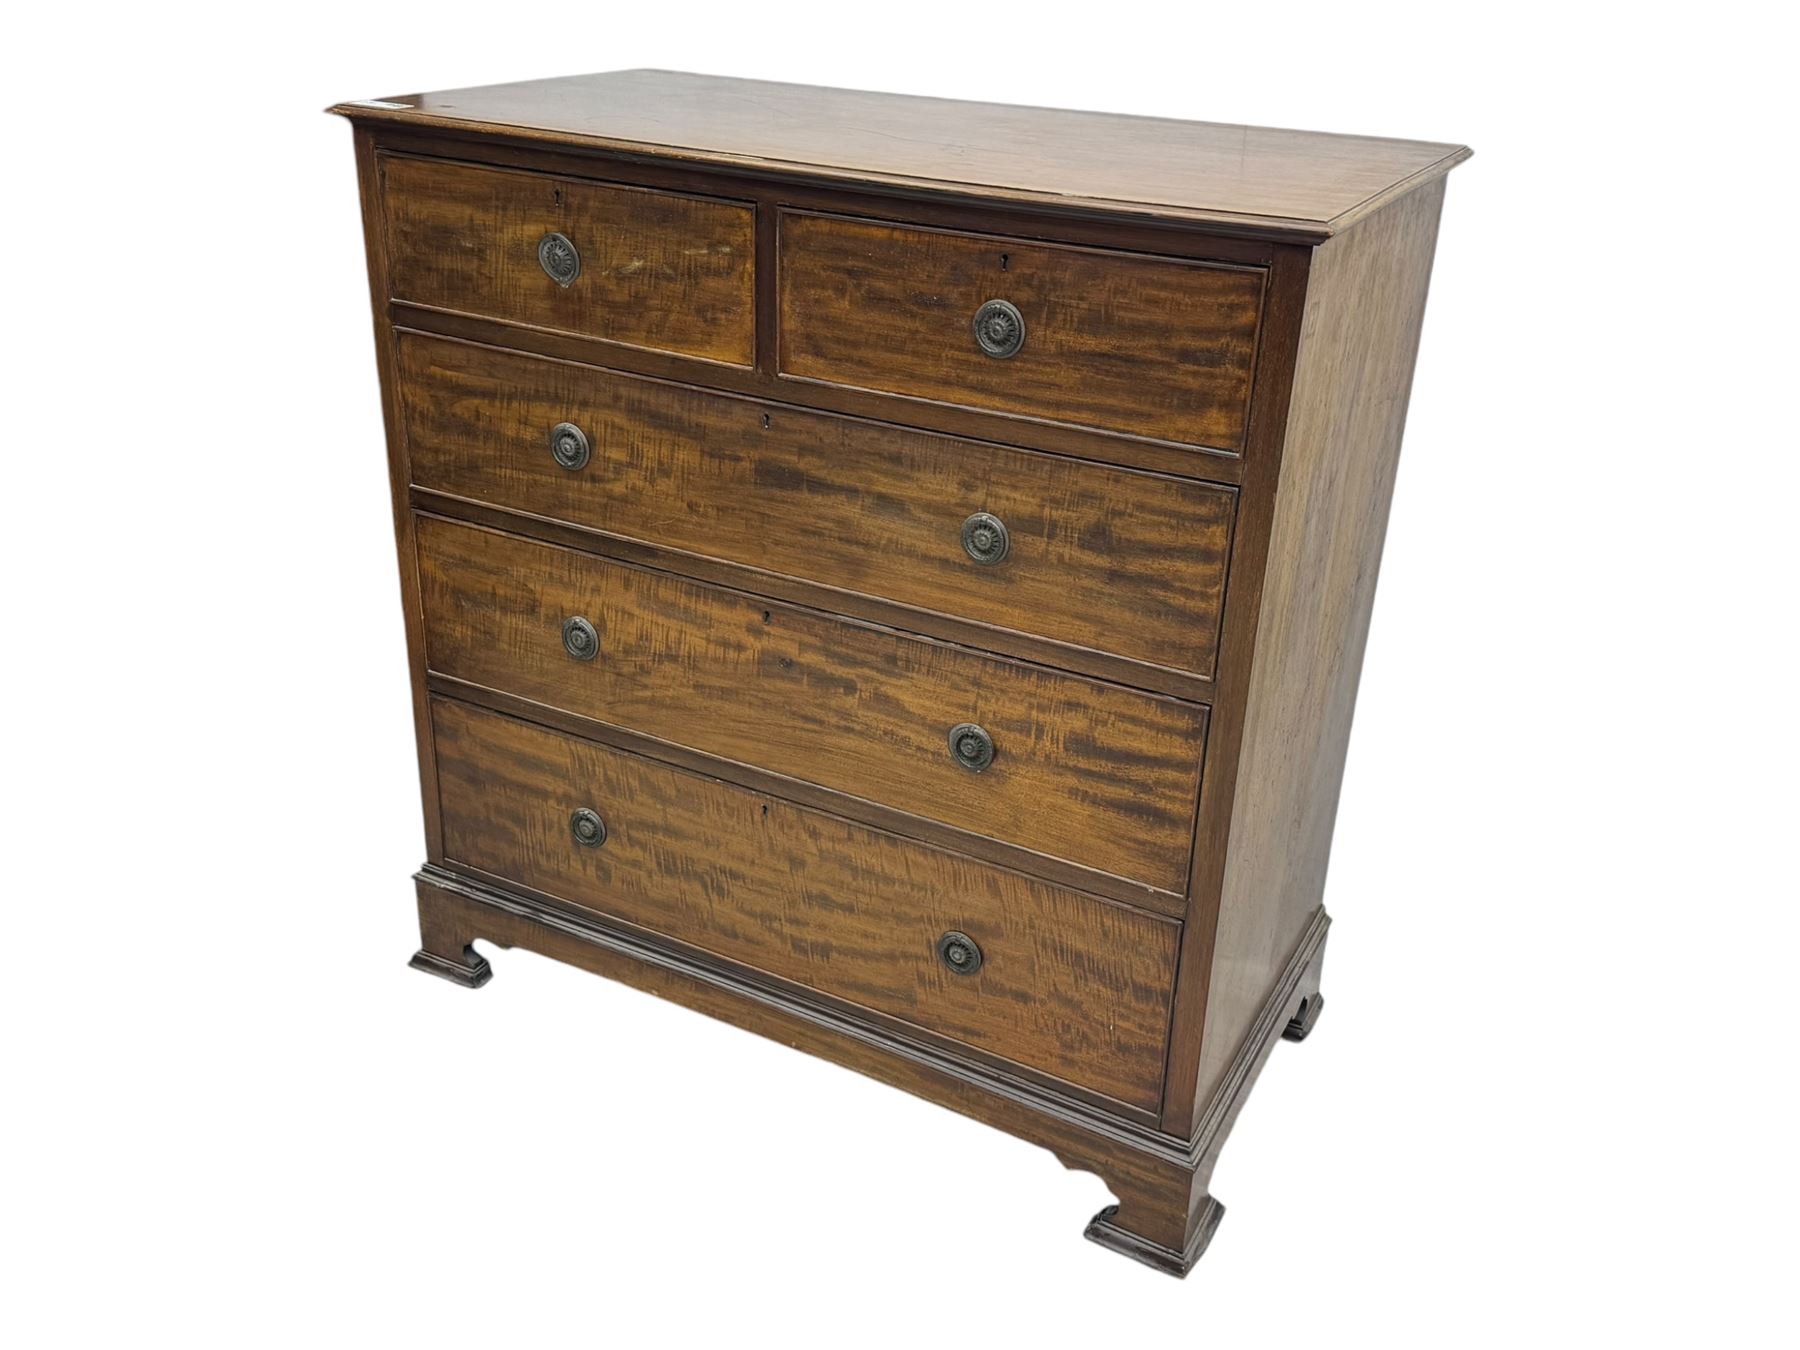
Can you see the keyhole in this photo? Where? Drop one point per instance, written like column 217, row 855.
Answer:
column 765, row 421
column 1003, row 260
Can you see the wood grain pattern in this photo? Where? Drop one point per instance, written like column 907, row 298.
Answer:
column 874, row 814
column 1151, row 347
column 659, row 270
column 1364, row 310
column 787, row 629
column 1275, row 183
column 1075, row 987
column 456, row 910
column 1283, row 312
column 1094, row 774
column 1116, row 561
column 1161, row 1183
column 771, row 196
column 399, row 474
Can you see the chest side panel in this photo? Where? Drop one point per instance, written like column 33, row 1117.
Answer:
column 1364, row 311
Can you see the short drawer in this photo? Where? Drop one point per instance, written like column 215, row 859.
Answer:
column 1112, row 560
column 1145, row 346
column 1065, row 984
column 1080, row 770
column 646, row 269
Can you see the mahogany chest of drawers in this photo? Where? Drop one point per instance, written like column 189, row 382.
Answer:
column 892, row 573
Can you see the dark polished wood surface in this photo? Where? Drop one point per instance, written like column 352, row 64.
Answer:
column 1153, row 347
column 1076, row 987
column 1101, row 776
column 1300, row 184
column 770, row 198
column 789, row 417
column 1114, row 561
column 802, row 792
column 660, row 270
column 1161, row 1182
column 1365, row 309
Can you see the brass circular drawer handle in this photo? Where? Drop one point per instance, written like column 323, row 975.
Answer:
column 999, row 329
column 559, row 258
column 959, row 952
column 587, row 827
column 984, row 538
column 971, row 746
column 579, row 639
column 569, row 445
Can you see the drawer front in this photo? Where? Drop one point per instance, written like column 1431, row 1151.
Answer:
column 1092, row 773
column 647, row 269
column 1071, row 986
column 1108, row 559
column 1150, row 347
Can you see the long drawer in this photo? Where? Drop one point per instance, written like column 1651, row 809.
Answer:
column 647, row 269
column 1108, row 559
column 1080, row 770
column 1152, row 347
column 1062, row 983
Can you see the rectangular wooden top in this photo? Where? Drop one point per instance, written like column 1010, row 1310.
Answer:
column 1302, row 185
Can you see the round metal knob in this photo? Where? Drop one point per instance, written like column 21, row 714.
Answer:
column 999, row 329
column 587, row 827
column 579, row 639
column 984, row 538
column 569, row 445
column 971, row 746
column 559, row 258
column 959, row 952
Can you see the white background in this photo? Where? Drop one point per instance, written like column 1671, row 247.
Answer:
column 1550, row 1101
